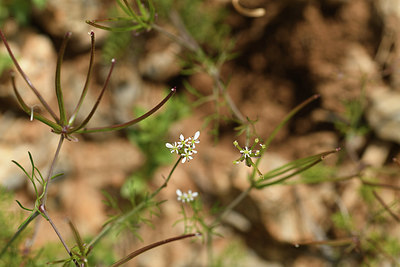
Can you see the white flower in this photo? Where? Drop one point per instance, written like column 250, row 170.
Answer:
column 173, row 148
column 191, row 196
column 183, row 142
column 185, row 147
column 186, row 197
column 195, row 140
column 181, row 197
column 187, row 155
column 245, row 152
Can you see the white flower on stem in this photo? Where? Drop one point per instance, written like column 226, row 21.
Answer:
column 184, row 142
column 173, row 148
column 186, row 197
column 246, row 152
column 195, row 140
column 181, row 197
column 187, row 155
column 191, row 196
column 185, row 147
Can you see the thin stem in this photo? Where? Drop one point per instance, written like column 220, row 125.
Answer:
column 63, row 116
column 191, row 44
column 141, row 205
column 151, row 246
column 25, row 77
column 86, row 121
column 232, row 205
column 235, row 110
column 50, row 173
column 88, row 76
column 175, row 38
column 29, row 243
column 129, row 123
column 44, row 211
column 386, row 207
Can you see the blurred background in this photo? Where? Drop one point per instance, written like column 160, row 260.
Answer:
column 347, row 52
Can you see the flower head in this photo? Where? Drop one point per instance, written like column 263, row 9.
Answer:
column 173, row 147
column 186, row 197
column 185, row 147
column 248, row 153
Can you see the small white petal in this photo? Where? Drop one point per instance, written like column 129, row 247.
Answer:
column 195, row 194
column 183, row 159
column 178, row 192
column 196, row 135
column 169, row 145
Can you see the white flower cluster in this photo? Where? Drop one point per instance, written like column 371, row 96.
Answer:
column 185, row 147
column 186, row 197
column 247, row 153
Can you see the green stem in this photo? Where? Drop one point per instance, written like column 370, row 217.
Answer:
column 49, row 174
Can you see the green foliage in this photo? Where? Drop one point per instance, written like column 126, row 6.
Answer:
column 233, row 255
column 137, row 17
column 366, row 192
column 5, row 62
column 343, row 221
column 204, row 22
column 317, row 174
column 19, row 9
column 7, row 229
column 116, row 45
column 351, row 124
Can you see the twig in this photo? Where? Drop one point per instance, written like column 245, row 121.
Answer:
column 50, row 173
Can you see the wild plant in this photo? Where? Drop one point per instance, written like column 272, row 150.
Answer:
column 197, row 221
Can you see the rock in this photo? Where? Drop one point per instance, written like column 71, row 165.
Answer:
column 37, row 59
column 376, row 154
column 68, row 16
column 383, row 114
column 161, row 66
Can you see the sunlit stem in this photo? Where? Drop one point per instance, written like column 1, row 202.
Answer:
column 86, row 86
column 25, row 77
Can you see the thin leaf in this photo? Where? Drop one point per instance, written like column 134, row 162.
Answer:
column 288, row 117
column 151, row 246
column 129, row 123
column 56, row 176
column 25, row 77
column 114, row 29
column 86, row 121
column 86, row 86
column 28, row 111
column 77, row 237
column 143, row 10
column 291, row 169
column 59, row 94
column 22, row 168
column 22, row 207
column 124, row 8
column 130, row 10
